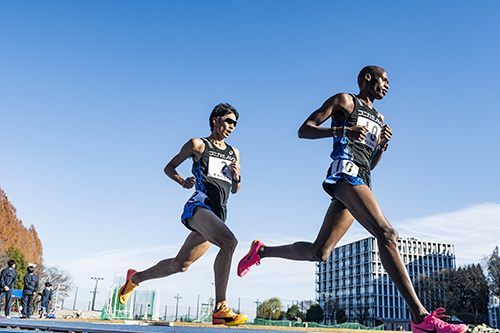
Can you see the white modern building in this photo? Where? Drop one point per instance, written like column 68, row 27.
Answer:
column 354, row 280
column 494, row 311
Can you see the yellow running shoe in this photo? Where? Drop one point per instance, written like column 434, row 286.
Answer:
column 127, row 288
column 227, row 317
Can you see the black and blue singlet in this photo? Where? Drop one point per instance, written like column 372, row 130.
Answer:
column 213, row 181
column 351, row 159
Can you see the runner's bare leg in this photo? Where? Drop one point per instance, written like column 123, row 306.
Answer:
column 335, row 224
column 216, row 232
column 193, row 248
column 364, row 207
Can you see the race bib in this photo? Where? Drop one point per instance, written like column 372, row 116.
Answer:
column 218, row 168
column 198, row 197
column 344, row 166
column 374, row 129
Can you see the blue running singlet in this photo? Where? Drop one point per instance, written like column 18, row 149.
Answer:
column 213, row 181
column 351, row 159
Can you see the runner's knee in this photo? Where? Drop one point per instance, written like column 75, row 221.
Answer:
column 320, row 254
column 230, row 243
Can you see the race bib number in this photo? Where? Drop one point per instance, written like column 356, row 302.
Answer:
column 218, row 168
column 344, row 166
column 197, row 197
column 374, row 129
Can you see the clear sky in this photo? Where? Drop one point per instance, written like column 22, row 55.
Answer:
column 97, row 96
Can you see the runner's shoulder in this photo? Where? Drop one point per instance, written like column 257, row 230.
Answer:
column 342, row 100
column 194, row 146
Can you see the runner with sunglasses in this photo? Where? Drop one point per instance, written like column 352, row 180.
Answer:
column 216, row 171
column 359, row 139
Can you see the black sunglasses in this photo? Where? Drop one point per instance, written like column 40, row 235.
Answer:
column 228, row 120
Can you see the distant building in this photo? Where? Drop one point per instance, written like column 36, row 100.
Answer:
column 494, row 311
column 354, row 280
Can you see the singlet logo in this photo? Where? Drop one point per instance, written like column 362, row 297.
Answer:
column 216, row 154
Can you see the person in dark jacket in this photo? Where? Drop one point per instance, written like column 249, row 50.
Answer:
column 8, row 278
column 30, row 288
column 47, row 297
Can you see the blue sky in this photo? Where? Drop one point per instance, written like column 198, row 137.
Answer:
column 97, row 96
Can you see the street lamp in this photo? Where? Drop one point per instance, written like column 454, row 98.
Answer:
column 95, row 289
column 177, row 305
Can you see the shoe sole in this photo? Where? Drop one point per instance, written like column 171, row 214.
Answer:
column 421, row 330
column 120, row 295
column 245, row 258
column 240, row 321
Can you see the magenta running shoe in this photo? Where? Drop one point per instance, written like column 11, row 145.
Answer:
column 251, row 258
column 432, row 324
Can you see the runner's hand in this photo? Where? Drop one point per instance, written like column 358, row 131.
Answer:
column 189, row 182
column 235, row 169
column 357, row 133
column 385, row 135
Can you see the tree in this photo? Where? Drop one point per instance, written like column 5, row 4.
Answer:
column 330, row 309
column 475, row 293
column 14, row 234
column 341, row 317
column 294, row 312
column 21, row 266
column 463, row 290
column 493, row 268
column 315, row 313
column 270, row 309
column 437, row 289
column 362, row 313
column 56, row 277
column 4, row 258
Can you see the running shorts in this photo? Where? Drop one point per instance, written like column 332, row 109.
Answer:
column 345, row 169
column 200, row 199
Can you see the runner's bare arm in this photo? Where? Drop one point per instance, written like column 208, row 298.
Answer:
column 193, row 148
column 339, row 106
column 235, row 167
column 385, row 136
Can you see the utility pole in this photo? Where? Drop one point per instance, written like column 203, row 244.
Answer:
column 257, row 308
column 74, row 303
column 95, row 289
column 177, row 306
column 197, row 307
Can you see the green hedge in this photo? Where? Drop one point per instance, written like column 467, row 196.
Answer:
column 286, row 323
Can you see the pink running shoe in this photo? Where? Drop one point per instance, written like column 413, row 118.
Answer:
column 432, row 324
column 251, row 258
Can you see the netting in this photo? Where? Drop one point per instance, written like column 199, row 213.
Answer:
column 143, row 304
column 288, row 323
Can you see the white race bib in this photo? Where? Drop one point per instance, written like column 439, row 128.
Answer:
column 218, row 168
column 344, row 166
column 374, row 129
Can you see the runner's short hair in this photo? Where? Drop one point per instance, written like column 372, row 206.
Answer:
column 366, row 70
column 221, row 110
column 11, row 262
column 30, row 269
